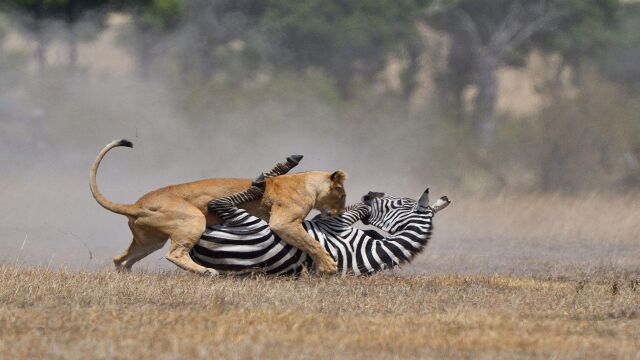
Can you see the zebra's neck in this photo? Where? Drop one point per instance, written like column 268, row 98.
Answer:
column 357, row 251
column 408, row 242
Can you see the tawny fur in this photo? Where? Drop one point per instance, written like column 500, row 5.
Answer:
column 179, row 212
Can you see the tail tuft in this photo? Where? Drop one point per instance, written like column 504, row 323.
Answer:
column 125, row 142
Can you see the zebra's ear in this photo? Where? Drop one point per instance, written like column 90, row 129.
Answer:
column 442, row 203
column 423, row 202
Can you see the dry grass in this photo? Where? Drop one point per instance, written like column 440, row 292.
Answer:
column 62, row 314
column 560, row 303
column 534, row 234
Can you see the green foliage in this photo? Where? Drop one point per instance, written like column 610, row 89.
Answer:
column 162, row 15
column 70, row 11
column 487, row 34
column 618, row 60
column 55, row 8
column 157, row 15
column 248, row 54
column 581, row 28
column 585, row 28
column 346, row 39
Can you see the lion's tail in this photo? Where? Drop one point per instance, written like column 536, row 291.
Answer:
column 123, row 209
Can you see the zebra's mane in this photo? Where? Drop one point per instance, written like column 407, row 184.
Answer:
column 352, row 206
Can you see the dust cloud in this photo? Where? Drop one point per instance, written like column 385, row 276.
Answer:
column 52, row 128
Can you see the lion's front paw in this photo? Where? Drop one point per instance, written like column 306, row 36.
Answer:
column 210, row 272
column 327, row 266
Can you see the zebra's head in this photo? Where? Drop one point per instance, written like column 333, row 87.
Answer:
column 393, row 214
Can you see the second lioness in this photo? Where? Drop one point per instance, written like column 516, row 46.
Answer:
column 179, row 213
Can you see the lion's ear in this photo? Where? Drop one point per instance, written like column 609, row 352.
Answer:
column 338, row 177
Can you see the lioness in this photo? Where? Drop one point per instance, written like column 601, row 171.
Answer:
column 179, row 212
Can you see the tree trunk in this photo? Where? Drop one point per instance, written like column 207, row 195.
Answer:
column 485, row 101
column 41, row 43
column 410, row 74
column 344, row 87
column 206, row 56
column 73, row 47
column 71, row 20
column 143, row 50
column 41, row 50
column 457, row 105
column 549, row 169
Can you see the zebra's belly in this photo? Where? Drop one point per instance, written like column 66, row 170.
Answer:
column 248, row 249
column 255, row 248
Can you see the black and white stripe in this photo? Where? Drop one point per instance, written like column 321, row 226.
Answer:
column 245, row 243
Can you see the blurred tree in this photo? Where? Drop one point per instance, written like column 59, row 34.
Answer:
column 583, row 140
column 3, row 30
column 487, row 34
column 152, row 19
column 484, row 34
column 3, row 34
column 584, row 32
column 618, row 59
column 34, row 12
column 12, row 67
column 346, row 39
column 214, row 29
column 70, row 11
column 200, row 29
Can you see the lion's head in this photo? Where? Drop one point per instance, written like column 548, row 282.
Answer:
column 331, row 195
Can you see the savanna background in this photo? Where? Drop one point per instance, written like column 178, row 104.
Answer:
column 526, row 113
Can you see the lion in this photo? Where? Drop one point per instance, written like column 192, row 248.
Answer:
column 179, row 212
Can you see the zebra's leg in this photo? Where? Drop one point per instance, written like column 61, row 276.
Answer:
column 226, row 207
column 283, row 168
column 354, row 213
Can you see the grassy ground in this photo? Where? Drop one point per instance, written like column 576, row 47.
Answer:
column 79, row 315
column 568, row 287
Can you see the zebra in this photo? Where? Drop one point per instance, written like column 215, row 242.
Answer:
column 244, row 243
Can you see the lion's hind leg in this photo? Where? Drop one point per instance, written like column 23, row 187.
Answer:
column 185, row 226
column 144, row 242
column 134, row 253
column 121, row 259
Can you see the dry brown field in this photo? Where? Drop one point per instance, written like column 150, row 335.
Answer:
column 172, row 315
column 536, row 276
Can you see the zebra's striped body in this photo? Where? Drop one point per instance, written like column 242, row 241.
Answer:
column 245, row 243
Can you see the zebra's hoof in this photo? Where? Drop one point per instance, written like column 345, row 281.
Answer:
column 295, row 158
column 259, row 182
